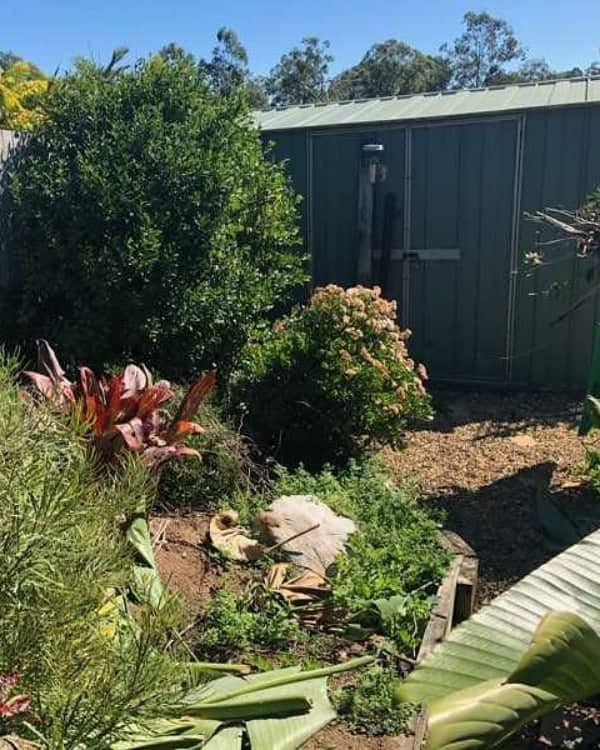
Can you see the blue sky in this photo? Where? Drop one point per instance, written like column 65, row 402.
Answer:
column 53, row 33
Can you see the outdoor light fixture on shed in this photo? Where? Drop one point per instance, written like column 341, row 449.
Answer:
column 372, row 171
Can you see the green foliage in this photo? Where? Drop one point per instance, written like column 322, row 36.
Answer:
column 245, row 622
column 592, row 467
column 557, row 668
column 367, row 705
column 395, row 553
column 142, row 220
column 331, row 379
column 391, row 68
column 486, row 680
column 224, row 473
column 62, row 553
column 479, row 56
column 300, row 77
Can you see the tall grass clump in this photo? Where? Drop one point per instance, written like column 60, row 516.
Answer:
column 62, row 557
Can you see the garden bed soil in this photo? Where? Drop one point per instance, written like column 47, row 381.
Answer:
column 187, row 562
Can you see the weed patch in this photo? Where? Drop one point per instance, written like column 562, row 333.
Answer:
column 367, row 705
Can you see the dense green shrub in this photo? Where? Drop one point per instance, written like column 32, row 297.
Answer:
column 62, row 553
column 141, row 220
column 396, row 551
column 331, row 378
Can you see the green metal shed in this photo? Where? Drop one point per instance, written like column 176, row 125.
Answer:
column 451, row 176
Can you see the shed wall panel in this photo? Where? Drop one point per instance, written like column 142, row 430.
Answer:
column 556, row 305
column 463, row 195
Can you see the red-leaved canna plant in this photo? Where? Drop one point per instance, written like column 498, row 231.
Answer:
column 11, row 706
column 124, row 411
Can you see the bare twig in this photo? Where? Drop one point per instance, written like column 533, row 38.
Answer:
column 268, row 550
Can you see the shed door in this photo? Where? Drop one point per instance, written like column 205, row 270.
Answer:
column 461, row 210
column 335, row 166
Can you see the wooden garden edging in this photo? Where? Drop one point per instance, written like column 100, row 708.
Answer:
column 456, row 602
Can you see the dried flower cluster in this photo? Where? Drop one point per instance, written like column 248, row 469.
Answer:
column 335, row 372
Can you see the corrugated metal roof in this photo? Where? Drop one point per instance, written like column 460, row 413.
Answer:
column 466, row 102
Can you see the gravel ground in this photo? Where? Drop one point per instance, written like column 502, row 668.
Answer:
column 482, row 460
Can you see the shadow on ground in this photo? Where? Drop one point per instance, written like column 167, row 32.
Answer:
column 505, row 413
column 502, row 522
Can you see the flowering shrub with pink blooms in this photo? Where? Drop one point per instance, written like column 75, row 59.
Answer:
column 332, row 378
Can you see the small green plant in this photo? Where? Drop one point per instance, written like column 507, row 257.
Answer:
column 395, row 555
column 247, row 621
column 592, row 467
column 367, row 704
column 331, row 379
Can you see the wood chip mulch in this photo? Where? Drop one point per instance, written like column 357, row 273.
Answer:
column 481, row 461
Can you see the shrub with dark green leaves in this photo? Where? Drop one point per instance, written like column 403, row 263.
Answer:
column 141, row 220
column 332, row 378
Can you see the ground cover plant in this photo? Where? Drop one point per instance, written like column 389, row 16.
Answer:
column 156, row 229
column 367, row 703
column 382, row 593
column 394, row 563
column 331, row 379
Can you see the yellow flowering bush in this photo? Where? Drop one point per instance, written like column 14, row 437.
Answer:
column 332, row 378
column 22, row 85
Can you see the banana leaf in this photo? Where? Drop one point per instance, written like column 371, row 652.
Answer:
column 518, row 658
column 146, row 584
column 277, row 710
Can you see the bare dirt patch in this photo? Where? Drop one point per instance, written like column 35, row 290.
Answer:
column 186, row 562
column 338, row 737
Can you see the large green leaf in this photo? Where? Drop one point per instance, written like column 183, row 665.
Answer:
column 517, row 658
column 291, row 732
column 146, row 585
column 560, row 666
column 490, row 644
column 279, row 710
column 485, row 716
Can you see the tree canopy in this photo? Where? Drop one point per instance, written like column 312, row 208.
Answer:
column 228, row 69
column 479, row 55
column 487, row 52
column 301, row 75
column 390, row 68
